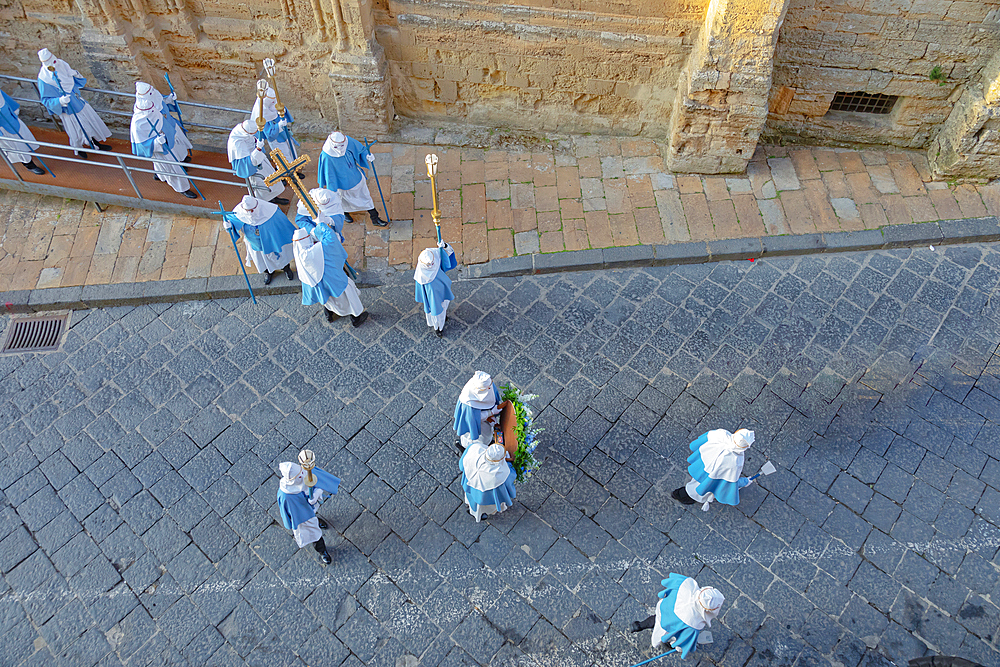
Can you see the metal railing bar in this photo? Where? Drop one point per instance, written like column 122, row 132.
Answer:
column 129, row 176
column 187, row 123
column 120, row 94
column 128, row 156
column 192, row 177
column 8, row 162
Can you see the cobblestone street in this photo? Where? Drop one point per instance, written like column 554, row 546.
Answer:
column 138, row 521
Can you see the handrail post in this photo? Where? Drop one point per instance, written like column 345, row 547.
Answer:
column 8, row 163
column 128, row 174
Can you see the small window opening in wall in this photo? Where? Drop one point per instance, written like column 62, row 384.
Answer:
column 863, row 102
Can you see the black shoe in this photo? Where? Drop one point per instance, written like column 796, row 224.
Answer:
column 83, row 156
column 190, row 194
column 100, row 146
column 330, row 316
column 359, row 320
column 681, row 496
column 34, row 168
column 267, row 277
column 325, row 557
column 636, row 626
column 322, row 524
column 280, row 201
column 377, row 221
column 439, row 333
column 300, row 174
column 288, row 272
column 156, row 178
column 186, row 159
column 457, row 445
column 348, row 218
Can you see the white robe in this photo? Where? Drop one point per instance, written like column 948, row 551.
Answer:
column 307, row 532
column 141, row 129
column 10, row 147
column 348, row 303
column 241, row 145
column 437, row 321
column 357, row 198
column 263, row 261
column 91, row 122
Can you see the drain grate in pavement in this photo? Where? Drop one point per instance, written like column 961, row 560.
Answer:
column 35, row 334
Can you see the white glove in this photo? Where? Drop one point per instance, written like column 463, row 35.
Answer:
column 495, row 411
column 257, row 158
column 442, row 244
column 226, row 224
column 169, row 98
column 371, row 158
column 65, row 100
column 750, row 481
column 17, row 111
column 317, row 497
column 160, row 140
column 260, row 144
column 282, row 124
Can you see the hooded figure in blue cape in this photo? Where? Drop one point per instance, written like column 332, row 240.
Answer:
column 320, row 259
column 59, row 89
column 328, row 203
column 487, row 479
column 149, row 140
column 268, row 235
column 716, row 462
column 340, row 169
column 246, row 155
column 179, row 142
column 12, row 127
column 432, row 286
column 682, row 615
column 297, row 505
column 478, row 402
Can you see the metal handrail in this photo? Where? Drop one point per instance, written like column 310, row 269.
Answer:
column 215, row 107
column 119, row 157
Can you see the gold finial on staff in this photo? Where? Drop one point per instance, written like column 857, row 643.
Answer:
column 308, row 461
column 261, row 92
column 269, row 70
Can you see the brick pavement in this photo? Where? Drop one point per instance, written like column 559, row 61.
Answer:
column 572, row 194
column 137, row 515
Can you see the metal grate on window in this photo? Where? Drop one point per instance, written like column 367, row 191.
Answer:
column 863, row 102
column 35, row 334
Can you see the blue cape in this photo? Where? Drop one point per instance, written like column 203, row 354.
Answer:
column 505, row 493
column 270, row 236
column 469, row 419
column 342, row 173
column 294, row 508
column 8, row 119
column 307, row 223
column 50, row 96
column 434, row 293
column 334, row 280
column 727, row 493
column 686, row 636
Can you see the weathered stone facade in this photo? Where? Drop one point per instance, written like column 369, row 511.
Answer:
column 708, row 77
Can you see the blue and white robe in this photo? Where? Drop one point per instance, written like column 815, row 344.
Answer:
column 298, row 515
column 470, row 423
column 434, row 291
column 490, row 493
column 176, row 138
column 79, row 119
column 12, row 127
column 669, row 628
column 146, row 126
column 342, row 173
column 268, row 236
column 321, row 272
column 252, row 164
column 704, row 487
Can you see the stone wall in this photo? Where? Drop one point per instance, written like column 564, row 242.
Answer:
column 877, row 46
column 544, row 65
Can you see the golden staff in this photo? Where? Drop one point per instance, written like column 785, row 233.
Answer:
column 308, row 461
column 432, row 167
column 261, row 92
column 279, row 107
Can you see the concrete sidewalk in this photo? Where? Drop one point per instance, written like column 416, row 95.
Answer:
column 572, row 194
